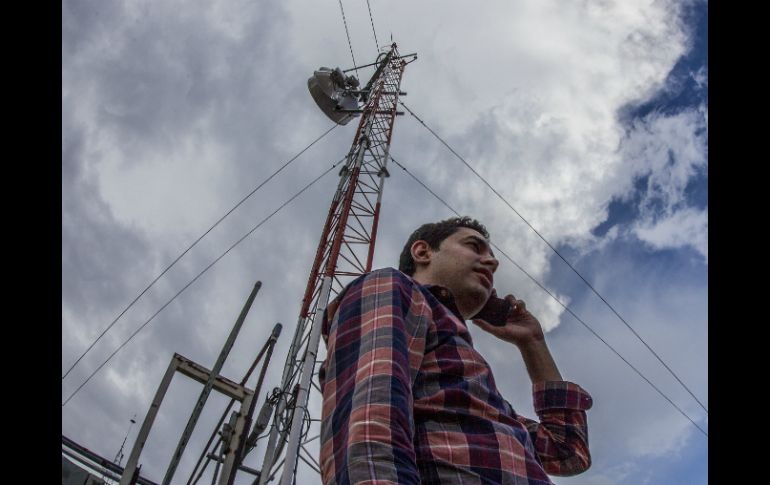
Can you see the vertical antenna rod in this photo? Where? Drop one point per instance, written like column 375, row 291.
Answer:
column 119, row 455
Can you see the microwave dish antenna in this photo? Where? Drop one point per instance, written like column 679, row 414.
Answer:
column 334, row 93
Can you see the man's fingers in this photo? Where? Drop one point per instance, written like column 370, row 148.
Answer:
column 517, row 305
column 483, row 324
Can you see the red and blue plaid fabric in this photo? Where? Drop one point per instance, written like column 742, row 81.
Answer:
column 408, row 400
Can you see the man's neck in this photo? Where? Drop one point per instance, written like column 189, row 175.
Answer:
column 422, row 279
column 425, row 279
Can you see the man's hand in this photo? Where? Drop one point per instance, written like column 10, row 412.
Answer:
column 521, row 328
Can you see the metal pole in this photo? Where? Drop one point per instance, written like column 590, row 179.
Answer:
column 245, row 379
column 241, row 438
column 209, row 384
column 216, row 467
column 273, row 449
column 141, row 438
column 230, row 447
column 271, row 452
column 301, row 403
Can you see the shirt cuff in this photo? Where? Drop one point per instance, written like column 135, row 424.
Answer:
column 560, row 395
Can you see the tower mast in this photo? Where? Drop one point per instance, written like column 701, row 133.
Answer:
column 345, row 251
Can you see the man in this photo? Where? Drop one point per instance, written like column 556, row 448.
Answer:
column 406, row 397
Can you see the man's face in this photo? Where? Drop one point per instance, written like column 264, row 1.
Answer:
column 465, row 264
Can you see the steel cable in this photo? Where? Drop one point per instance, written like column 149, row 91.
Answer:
column 345, row 22
column 198, row 276
column 190, row 247
column 557, row 301
column 376, row 44
column 560, row 256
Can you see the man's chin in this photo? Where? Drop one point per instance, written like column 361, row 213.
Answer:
column 479, row 299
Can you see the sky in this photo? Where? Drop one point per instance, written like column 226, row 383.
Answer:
column 589, row 117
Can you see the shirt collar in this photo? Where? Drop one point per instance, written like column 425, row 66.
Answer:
column 444, row 295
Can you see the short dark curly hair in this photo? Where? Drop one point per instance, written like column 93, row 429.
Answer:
column 434, row 233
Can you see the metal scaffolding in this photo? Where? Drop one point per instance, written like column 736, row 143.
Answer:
column 233, row 440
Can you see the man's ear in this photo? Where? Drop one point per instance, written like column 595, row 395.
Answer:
column 421, row 252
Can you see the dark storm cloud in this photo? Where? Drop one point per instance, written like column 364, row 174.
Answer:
column 95, row 247
column 85, row 22
column 158, row 74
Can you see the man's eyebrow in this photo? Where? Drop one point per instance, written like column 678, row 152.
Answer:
column 481, row 241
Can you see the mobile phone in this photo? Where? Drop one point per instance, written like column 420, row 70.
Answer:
column 495, row 311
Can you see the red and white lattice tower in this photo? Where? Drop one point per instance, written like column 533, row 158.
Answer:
column 345, row 251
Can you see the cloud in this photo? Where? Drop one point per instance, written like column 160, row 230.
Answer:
column 701, row 77
column 173, row 114
column 686, row 227
column 552, row 142
column 670, row 151
column 95, row 248
column 630, row 423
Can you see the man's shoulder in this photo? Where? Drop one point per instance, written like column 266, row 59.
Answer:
column 385, row 276
column 388, row 273
column 376, row 282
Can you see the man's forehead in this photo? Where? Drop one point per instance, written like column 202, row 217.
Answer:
column 463, row 232
column 468, row 233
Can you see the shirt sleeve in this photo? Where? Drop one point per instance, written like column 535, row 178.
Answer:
column 561, row 436
column 374, row 348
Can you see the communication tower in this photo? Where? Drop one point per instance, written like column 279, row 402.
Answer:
column 346, row 248
column 345, row 251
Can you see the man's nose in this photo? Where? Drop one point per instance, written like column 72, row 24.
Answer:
column 491, row 262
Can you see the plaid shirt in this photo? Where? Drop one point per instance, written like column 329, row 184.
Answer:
column 407, row 399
